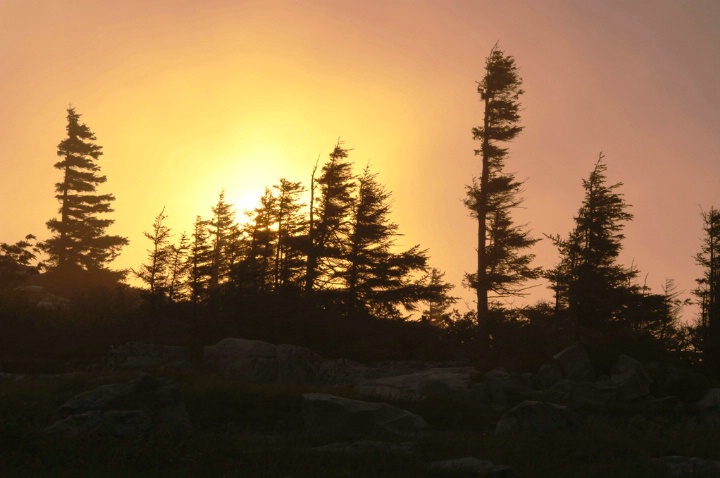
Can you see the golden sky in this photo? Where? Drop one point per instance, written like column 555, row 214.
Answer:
column 189, row 97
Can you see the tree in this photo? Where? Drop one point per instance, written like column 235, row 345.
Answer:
column 588, row 280
column 291, row 235
column 79, row 239
column 501, row 265
column 257, row 269
column 708, row 286
column 16, row 259
column 222, row 230
column 178, row 269
column 328, row 241
column 376, row 277
column 437, row 312
column 199, row 262
column 155, row 272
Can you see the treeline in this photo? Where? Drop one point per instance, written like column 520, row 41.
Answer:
column 339, row 249
column 329, row 249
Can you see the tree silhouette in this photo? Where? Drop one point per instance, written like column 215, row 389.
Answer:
column 291, row 235
column 199, row 262
column 328, row 241
column 178, row 269
column 588, row 280
column 155, row 272
column 501, row 265
column 376, row 277
column 223, row 233
column 708, row 286
column 79, row 239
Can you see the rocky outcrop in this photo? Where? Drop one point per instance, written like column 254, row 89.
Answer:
column 574, row 364
column 631, row 379
column 138, row 355
column 328, row 415
column 143, row 404
column 256, row 361
column 474, row 467
column 362, row 447
column 688, row 467
column 420, row 385
column 504, row 387
column 538, row 417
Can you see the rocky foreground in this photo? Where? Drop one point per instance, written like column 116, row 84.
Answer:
column 345, row 409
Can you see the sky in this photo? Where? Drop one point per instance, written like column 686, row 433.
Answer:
column 188, row 98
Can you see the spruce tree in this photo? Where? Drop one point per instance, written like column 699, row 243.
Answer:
column 258, row 267
column 588, row 280
column 223, row 232
column 155, row 272
column 377, row 278
column 327, row 245
column 502, row 266
column 199, row 262
column 178, row 269
column 79, row 238
column 708, row 287
column 291, row 235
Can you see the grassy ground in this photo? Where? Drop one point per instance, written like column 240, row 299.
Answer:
column 243, row 430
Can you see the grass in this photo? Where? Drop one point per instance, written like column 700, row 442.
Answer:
column 243, row 430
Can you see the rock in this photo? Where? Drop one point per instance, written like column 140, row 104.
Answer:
column 118, row 423
column 547, row 376
column 661, row 405
column 631, row 379
column 710, row 400
column 256, row 361
column 331, row 416
column 471, row 467
column 586, row 395
column 504, row 387
column 538, row 417
column 103, row 410
column 420, row 385
column 574, row 364
column 669, row 380
column 137, row 355
column 688, row 467
column 343, row 372
column 367, row 447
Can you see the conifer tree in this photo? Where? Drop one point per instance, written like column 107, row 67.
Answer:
column 223, row 231
column 291, row 235
column 199, row 262
column 178, row 269
column 438, row 305
column 377, row 278
column 588, row 280
column 328, row 241
column 258, row 267
column 155, row 272
column 708, row 287
column 502, row 266
column 79, row 238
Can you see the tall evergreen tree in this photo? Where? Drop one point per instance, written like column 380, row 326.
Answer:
column 199, row 262
column 178, row 269
column 79, row 239
column 437, row 311
column 223, row 231
column 502, row 267
column 155, row 272
column 377, row 278
column 258, row 268
column 329, row 239
column 291, row 235
column 708, row 287
column 588, row 280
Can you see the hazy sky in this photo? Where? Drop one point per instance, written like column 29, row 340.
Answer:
column 188, row 97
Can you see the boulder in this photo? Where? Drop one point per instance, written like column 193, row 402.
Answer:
column 504, row 387
column 710, row 400
column 117, row 423
column 688, row 467
column 362, row 447
column 256, row 361
column 125, row 408
column 343, row 372
column 421, row 384
column 584, row 395
column 630, row 377
column 538, row 417
column 470, row 466
column 138, row 355
column 331, row 416
column 574, row 364
column 547, row 376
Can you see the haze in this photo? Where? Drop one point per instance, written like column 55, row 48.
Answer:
column 188, row 98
